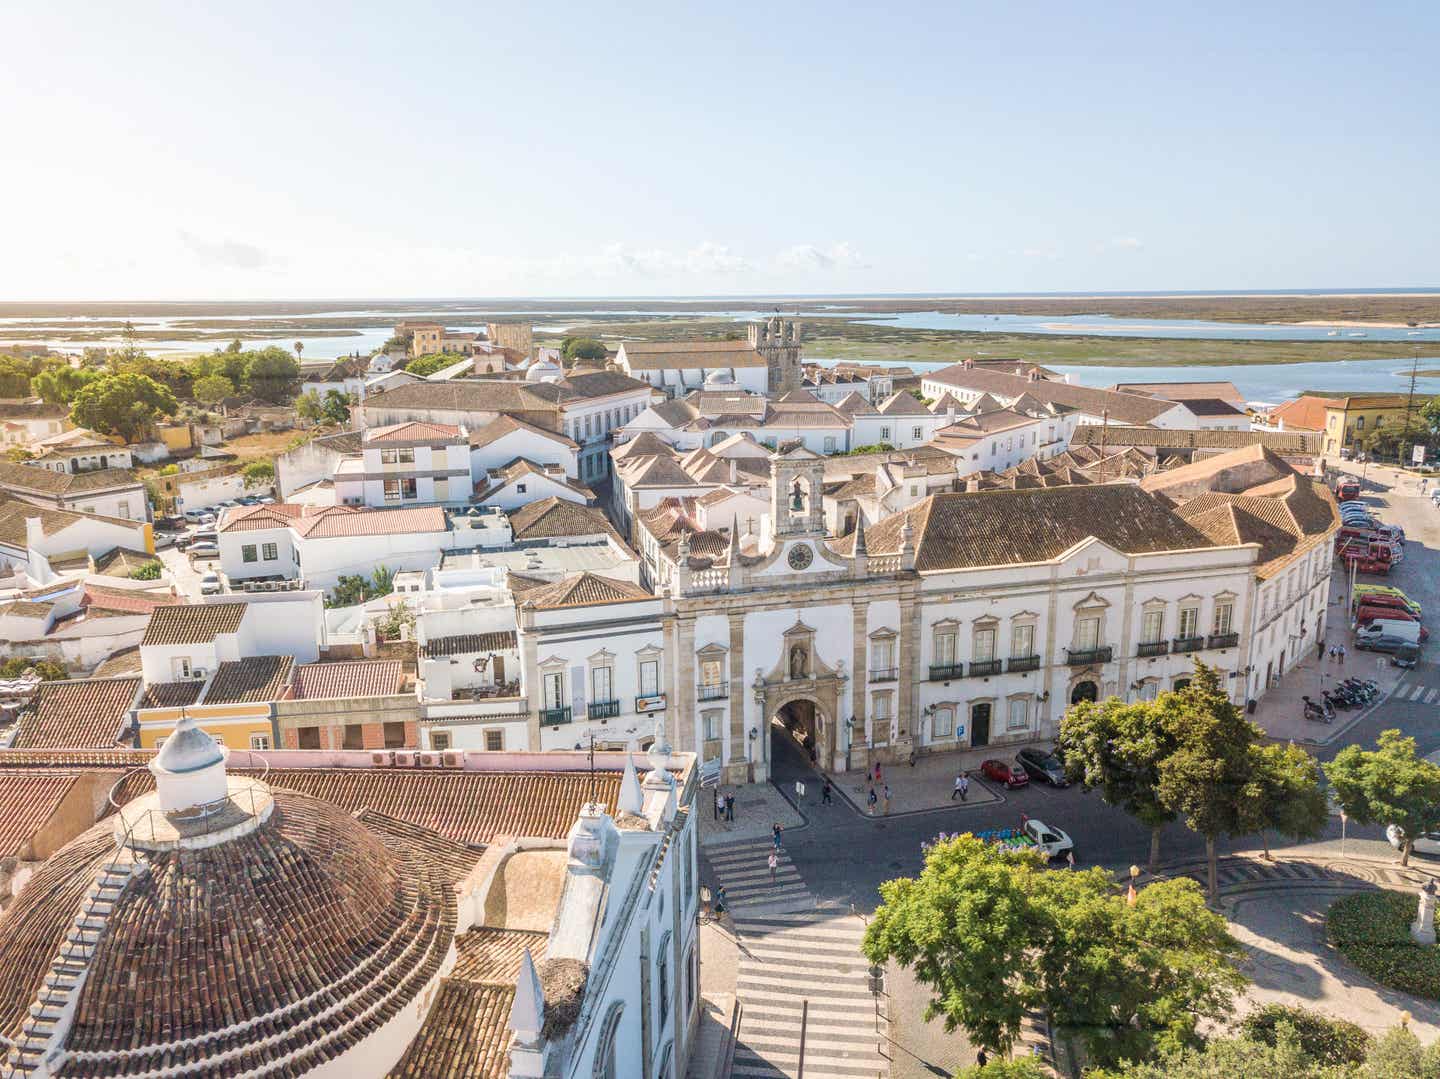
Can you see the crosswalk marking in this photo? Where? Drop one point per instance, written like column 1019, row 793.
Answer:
column 743, row 869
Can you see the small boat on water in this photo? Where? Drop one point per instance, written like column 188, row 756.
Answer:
column 1357, row 333
column 1412, row 333
column 1333, row 333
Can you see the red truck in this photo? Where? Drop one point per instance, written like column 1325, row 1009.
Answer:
column 1384, row 536
column 1386, row 601
column 1367, row 557
column 1347, row 490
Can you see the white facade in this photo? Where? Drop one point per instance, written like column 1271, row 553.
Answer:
column 277, row 624
column 389, row 476
column 208, row 491
column 591, row 422
column 529, row 486
column 531, row 443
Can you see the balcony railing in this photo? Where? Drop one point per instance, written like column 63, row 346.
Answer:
column 713, row 691
column 943, row 671
column 1188, row 644
column 553, row 717
column 981, row 668
column 1083, row 657
column 1224, row 640
column 1152, row 648
column 884, row 674
column 602, row 709
column 1022, row 663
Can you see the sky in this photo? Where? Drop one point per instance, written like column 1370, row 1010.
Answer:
column 318, row 150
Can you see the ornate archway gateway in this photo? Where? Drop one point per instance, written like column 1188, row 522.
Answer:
column 803, row 692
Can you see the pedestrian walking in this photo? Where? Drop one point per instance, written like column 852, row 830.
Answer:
column 886, row 796
column 730, row 808
column 719, row 802
column 825, row 792
column 721, row 901
column 1070, row 858
column 775, row 831
column 877, row 771
column 1334, row 654
column 955, row 791
column 1319, row 650
column 774, row 865
column 1342, row 655
column 870, row 798
column 980, row 1058
column 964, row 786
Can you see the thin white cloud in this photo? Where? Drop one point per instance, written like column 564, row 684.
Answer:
column 839, row 256
column 229, row 253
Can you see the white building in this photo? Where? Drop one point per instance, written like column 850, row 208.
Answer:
column 523, row 481
column 407, row 464
column 507, row 439
column 25, row 422
column 109, row 492
column 967, row 382
column 31, row 535
column 189, row 641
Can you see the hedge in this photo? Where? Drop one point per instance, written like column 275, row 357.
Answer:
column 1324, row 1040
column 1372, row 930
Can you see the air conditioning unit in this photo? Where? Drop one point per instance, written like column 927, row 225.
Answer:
column 404, row 758
column 453, row 758
column 382, row 758
column 199, row 674
column 429, row 760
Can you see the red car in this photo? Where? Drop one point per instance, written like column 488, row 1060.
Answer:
column 1012, row 775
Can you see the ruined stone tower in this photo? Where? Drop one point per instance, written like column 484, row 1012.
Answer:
column 778, row 340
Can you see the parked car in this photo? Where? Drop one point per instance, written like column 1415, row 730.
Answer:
column 266, row 500
column 1048, row 838
column 210, row 584
column 204, row 549
column 1039, row 764
column 1425, row 843
column 166, row 539
column 248, row 500
column 1012, row 775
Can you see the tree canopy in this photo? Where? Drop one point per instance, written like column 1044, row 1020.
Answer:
column 212, row 389
column 48, row 670
column 993, row 934
column 259, row 473
column 582, row 348
column 1390, row 784
column 271, row 374
column 127, row 405
column 424, row 366
column 15, row 376
column 59, row 383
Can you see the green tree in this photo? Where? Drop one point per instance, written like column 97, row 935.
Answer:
column 19, row 454
column 582, row 348
column 213, row 389
column 48, row 670
column 259, row 473
column 1391, row 784
column 1287, row 796
column 15, row 376
column 271, row 374
column 309, row 407
column 58, row 384
column 299, row 348
column 146, row 571
column 1027, row 1067
column 401, row 341
column 1394, row 439
column 1209, row 778
column 125, row 405
column 1116, row 748
column 336, row 407
column 234, row 346
column 425, row 366
column 993, row 934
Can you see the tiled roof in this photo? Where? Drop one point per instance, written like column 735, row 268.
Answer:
column 28, row 799
column 193, row 623
column 1184, row 391
column 85, row 713
column 500, row 427
column 645, row 444
column 1006, row 527
column 464, row 644
column 413, row 431
column 466, row 395
column 1286, row 517
column 1304, row 413
column 584, row 589
column 48, row 481
column 128, row 600
column 683, row 355
column 353, row 678
column 1122, row 407
column 852, row 404
column 454, row 859
column 249, row 680
column 1218, row 471
column 125, row 661
column 171, row 694
column 27, row 608
column 602, row 384
column 554, row 517
column 13, row 514
column 334, row 522
column 342, row 442
column 1282, row 442
column 1211, row 406
column 903, row 403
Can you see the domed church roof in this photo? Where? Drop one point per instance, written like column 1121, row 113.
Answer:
column 251, row 940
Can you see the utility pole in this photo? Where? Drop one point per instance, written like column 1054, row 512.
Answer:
column 1409, row 403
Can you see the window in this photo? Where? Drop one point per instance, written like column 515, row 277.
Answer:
column 602, row 684
column 392, row 490
column 1087, row 634
column 710, row 724
column 259, row 741
column 354, row 736
column 1224, row 615
column 711, row 672
column 406, row 456
column 387, row 457
column 945, row 647
column 880, row 706
column 649, row 677
column 884, row 434
column 269, row 552
column 1019, row 717
column 993, row 447
column 830, row 445
column 984, row 645
column 439, row 739
column 180, row 667
column 394, row 735
column 1022, row 641
column 309, row 737
column 1152, row 625
column 554, row 689
column 1149, row 690
column 882, row 654
column 943, row 723
column 1359, row 423
column 587, row 426
column 247, row 553
column 1189, row 621
column 494, row 741
column 917, row 433
column 662, row 981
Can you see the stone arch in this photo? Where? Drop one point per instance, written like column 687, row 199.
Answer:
column 1084, row 689
column 809, row 717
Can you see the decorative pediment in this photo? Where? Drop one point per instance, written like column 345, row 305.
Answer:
column 1023, row 616
column 1226, row 596
column 1191, row 598
column 602, row 658
column 1094, row 599
column 650, row 651
column 712, row 651
column 945, row 625
column 799, row 660
column 553, row 661
column 884, row 633
column 985, row 621
column 800, row 629
column 1154, row 603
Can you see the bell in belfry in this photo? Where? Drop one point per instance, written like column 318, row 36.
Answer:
column 797, row 500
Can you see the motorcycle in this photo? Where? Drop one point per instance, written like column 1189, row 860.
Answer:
column 1317, row 712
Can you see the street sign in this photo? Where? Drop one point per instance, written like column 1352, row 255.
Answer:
column 1417, row 453
column 799, row 789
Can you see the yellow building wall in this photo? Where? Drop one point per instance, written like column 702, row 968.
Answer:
column 233, row 724
column 178, row 437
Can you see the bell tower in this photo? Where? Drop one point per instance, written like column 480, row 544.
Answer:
column 778, row 340
column 796, row 479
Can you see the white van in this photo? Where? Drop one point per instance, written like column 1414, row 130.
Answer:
column 1387, row 635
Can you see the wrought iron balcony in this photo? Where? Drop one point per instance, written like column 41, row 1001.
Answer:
column 1152, row 648
column 1224, row 640
column 1083, row 657
column 983, row 667
column 553, row 717
column 1022, row 663
column 1188, row 644
column 884, row 674
column 943, row 671
column 713, row 691
column 602, row 709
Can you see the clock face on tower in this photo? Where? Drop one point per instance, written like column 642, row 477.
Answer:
column 799, row 556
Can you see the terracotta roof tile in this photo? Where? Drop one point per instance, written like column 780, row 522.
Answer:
column 171, row 694
column 585, row 589
column 1281, row 442
column 683, row 355
column 356, row 678
column 464, row 644
column 28, row 800
column 249, row 680
column 333, row 522
column 87, row 713
column 413, row 431
column 498, row 428
column 554, row 517
column 1124, row 407
column 192, row 623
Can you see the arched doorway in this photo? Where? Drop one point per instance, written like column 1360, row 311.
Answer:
column 1084, row 691
column 802, row 723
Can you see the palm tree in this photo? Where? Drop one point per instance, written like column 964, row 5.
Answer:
column 299, row 348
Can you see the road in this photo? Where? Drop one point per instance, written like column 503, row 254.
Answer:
column 843, row 856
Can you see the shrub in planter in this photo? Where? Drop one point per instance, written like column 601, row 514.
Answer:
column 1322, row 1039
column 1372, row 930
